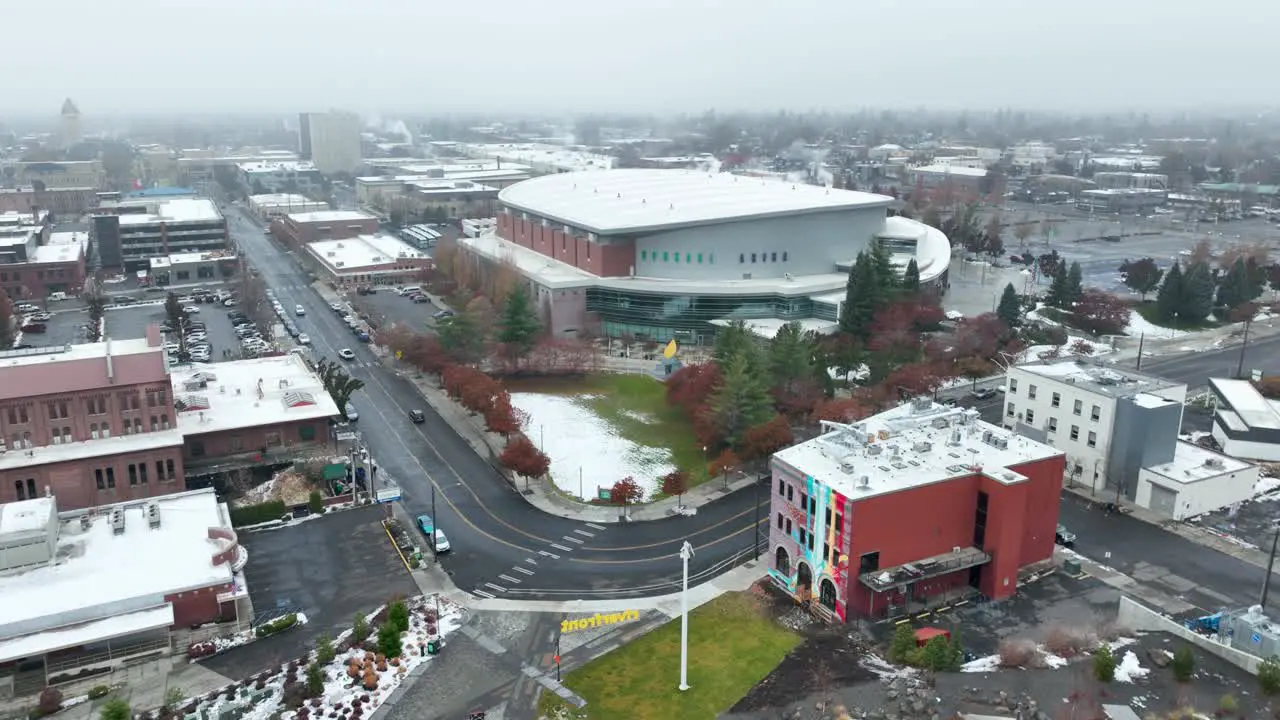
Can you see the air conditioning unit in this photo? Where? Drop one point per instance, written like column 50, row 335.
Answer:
column 117, row 520
column 153, row 515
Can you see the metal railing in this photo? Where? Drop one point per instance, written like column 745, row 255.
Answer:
column 910, row 573
column 109, row 655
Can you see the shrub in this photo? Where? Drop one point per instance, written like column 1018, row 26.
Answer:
column 50, row 701
column 1269, row 675
column 98, row 691
column 939, row 655
column 260, row 513
column 359, row 629
column 1068, row 642
column 315, row 680
column 315, row 503
column 1183, row 664
column 116, row 709
column 1228, row 703
column 904, row 641
column 1104, row 664
column 173, row 697
column 281, row 623
column 324, row 650
column 398, row 616
column 1018, row 653
column 389, row 640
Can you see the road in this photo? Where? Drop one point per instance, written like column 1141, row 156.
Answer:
column 503, row 546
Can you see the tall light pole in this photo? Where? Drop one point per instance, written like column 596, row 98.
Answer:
column 686, row 552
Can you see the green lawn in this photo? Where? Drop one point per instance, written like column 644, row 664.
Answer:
column 1148, row 311
column 732, row 646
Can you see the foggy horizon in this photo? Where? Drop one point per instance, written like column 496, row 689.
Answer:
column 658, row 56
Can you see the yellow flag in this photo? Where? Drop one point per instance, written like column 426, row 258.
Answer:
column 670, row 350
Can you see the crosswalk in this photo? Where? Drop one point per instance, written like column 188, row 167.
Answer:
column 525, row 571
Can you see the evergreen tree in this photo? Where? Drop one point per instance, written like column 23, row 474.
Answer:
column 736, row 341
column 790, row 356
column 887, row 280
column 859, row 298
column 911, row 278
column 518, row 325
column 1197, row 294
column 741, row 402
column 1059, row 294
column 1075, row 284
column 1233, row 287
column 1010, row 309
column 1169, row 297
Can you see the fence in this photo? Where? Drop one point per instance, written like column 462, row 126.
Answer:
column 1134, row 616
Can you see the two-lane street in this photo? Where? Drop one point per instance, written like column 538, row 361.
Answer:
column 502, row 546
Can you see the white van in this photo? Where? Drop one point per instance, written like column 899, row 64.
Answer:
column 406, row 290
column 56, row 296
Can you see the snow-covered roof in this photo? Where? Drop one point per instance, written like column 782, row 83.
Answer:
column 330, row 216
column 284, row 200
column 909, row 446
column 26, row 516
column 767, row 328
column 1109, row 380
column 100, row 573
column 619, row 201
column 65, row 252
column 1247, row 403
column 248, row 393
column 363, row 251
column 956, row 170
column 276, row 166
column 1192, row 463
column 86, row 633
column 540, row 155
column 176, row 210
column 93, row 448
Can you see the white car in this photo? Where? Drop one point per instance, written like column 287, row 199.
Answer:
column 191, row 309
column 299, row 310
column 346, row 354
column 304, row 339
column 27, row 308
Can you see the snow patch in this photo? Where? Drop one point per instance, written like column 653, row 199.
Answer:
column 884, row 669
column 586, row 452
column 1129, row 669
column 1139, row 325
column 990, row 663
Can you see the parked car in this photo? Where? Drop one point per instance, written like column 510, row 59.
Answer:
column 983, row 393
column 352, row 414
column 1064, row 537
column 34, row 328
column 26, row 308
column 438, row 542
column 416, row 416
column 442, row 314
column 299, row 310
column 422, row 299
column 304, row 339
column 426, row 524
column 191, row 309
column 346, row 354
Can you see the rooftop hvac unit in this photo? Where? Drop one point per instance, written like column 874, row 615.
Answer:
column 956, row 436
column 117, row 520
column 923, row 446
column 939, row 423
column 875, row 449
column 921, row 404
column 986, row 436
column 153, row 515
column 85, row 522
column 864, row 483
column 846, row 468
column 1000, row 442
column 1215, row 463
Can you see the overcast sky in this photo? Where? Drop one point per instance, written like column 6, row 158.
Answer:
column 645, row 55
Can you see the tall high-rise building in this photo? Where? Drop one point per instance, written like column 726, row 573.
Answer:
column 331, row 141
column 69, row 131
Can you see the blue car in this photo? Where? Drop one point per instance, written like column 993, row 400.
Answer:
column 426, row 524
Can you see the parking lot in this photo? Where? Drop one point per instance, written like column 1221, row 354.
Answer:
column 329, row 568
column 66, row 327
column 386, row 307
column 130, row 321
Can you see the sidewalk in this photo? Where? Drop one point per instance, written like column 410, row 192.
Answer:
column 541, row 493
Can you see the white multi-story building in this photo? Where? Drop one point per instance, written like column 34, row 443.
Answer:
column 1119, row 430
column 285, row 176
column 330, row 140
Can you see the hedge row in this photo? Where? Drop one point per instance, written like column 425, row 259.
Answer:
column 281, row 623
column 260, row 513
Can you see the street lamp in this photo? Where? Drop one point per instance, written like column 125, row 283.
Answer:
column 686, row 552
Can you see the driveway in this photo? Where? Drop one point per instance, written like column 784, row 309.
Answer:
column 329, row 568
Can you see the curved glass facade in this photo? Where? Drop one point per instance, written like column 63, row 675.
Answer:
column 687, row 318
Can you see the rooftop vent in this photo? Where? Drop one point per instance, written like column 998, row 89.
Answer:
column 956, row 437
column 298, row 398
column 939, row 423
column 923, row 446
column 1215, row 463
column 864, row 483
column 117, row 520
column 921, row 404
column 846, row 467
column 86, row 522
column 153, row 514
column 874, row 450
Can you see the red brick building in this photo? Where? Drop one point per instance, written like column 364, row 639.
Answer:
column 910, row 509
column 297, row 230
column 103, row 423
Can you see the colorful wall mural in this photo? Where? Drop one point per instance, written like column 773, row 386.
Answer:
column 809, row 524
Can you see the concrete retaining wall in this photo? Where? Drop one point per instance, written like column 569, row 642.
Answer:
column 1138, row 618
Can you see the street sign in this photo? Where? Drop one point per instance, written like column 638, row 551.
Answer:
column 345, row 436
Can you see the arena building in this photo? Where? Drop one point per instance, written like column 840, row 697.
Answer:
column 662, row 254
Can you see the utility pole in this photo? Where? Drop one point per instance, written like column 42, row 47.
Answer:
column 434, row 524
column 1243, row 346
column 1266, row 581
column 1142, row 340
column 686, row 552
column 755, row 529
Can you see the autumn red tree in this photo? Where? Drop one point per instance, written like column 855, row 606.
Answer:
column 981, row 336
column 915, row 380
column 893, row 331
column 764, row 440
column 1082, row 347
column 690, row 387
column 559, row 356
column 523, row 458
column 625, row 492
column 675, row 483
column 841, row 410
column 502, row 417
column 1101, row 313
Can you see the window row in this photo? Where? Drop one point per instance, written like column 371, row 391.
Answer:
column 830, row 555
column 764, row 257
column 1055, row 400
column 809, row 504
column 1029, row 417
column 165, row 471
column 63, row 434
column 96, row 405
column 689, row 258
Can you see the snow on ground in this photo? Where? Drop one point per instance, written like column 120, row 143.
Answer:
column 342, row 693
column 990, row 663
column 1038, row 352
column 1139, row 325
column 1129, row 670
column 586, row 452
column 884, row 669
